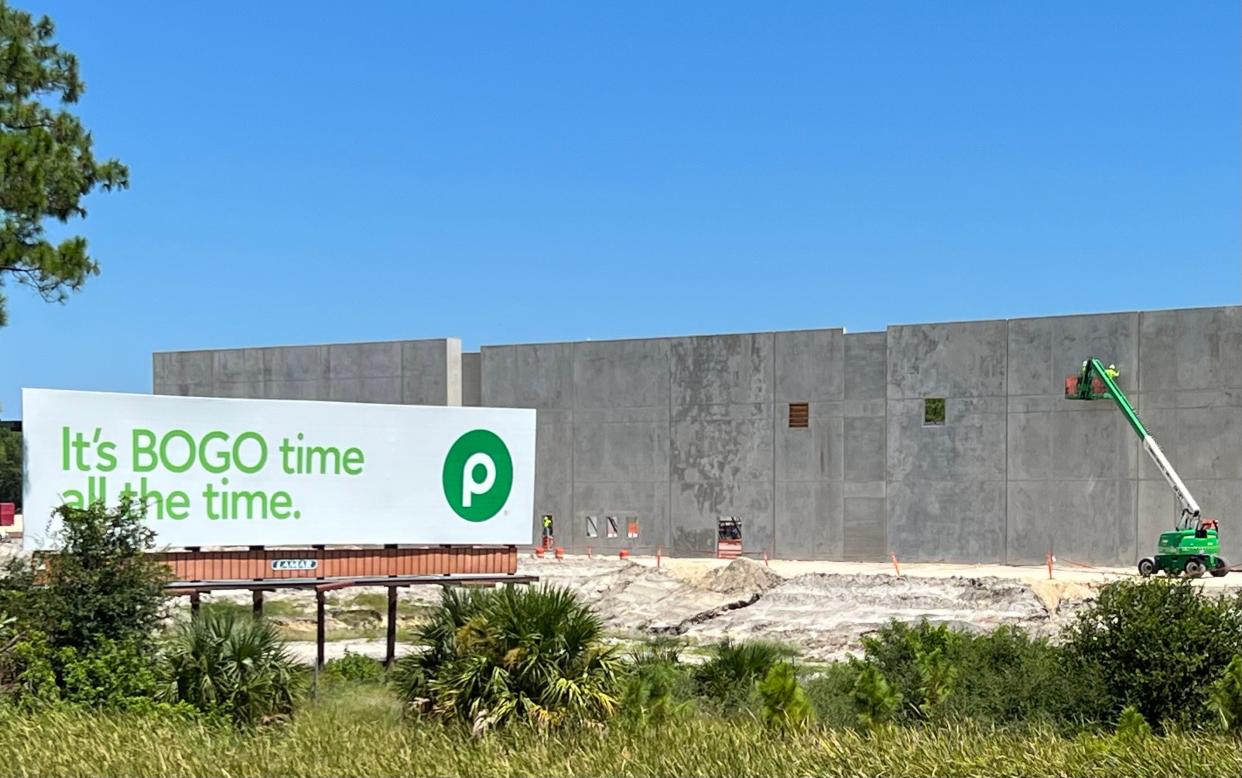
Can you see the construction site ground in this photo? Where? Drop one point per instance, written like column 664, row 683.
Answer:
column 820, row 608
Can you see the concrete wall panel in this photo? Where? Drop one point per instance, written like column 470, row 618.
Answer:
column 471, row 380
column 947, row 521
column 1197, row 348
column 697, row 506
column 947, row 360
column 415, row 372
column 621, row 374
column 808, row 366
column 865, row 444
column 1089, row 521
column 866, row 366
column 808, row 520
column 864, row 530
column 722, row 370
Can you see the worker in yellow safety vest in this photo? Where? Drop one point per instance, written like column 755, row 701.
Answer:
column 1112, row 372
column 547, row 526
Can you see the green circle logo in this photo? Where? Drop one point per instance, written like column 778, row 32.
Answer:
column 478, row 475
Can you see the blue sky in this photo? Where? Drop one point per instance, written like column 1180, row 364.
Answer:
column 515, row 172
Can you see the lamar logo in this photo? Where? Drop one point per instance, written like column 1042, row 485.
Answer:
column 295, row 564
column 478, row 475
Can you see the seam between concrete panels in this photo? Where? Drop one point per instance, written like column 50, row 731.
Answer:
column 772, row 410
column 573, row 431
column 1005, row 530
column 668, row 445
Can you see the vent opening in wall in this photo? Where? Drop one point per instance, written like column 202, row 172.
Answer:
column 933, row 412
column 799, row 415
column 592, row 527
column 612, row 526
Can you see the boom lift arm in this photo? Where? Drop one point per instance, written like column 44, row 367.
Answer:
column 1094, row 377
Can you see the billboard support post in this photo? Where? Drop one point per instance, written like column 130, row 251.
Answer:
column 256, row 596
column 390, row 649
column 319, row 602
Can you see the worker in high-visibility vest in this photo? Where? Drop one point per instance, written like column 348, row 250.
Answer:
column 1112, row 372
column 547, row 526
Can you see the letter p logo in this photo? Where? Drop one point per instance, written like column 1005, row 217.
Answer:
column 479, row 462
column 478, row 475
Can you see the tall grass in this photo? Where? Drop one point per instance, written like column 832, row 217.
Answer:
column 360, row 731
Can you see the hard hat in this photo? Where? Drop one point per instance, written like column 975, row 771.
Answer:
column 1112, row 367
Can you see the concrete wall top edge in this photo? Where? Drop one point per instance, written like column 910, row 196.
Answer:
column 1143, row 312
column 659, row 338
column 307, row 345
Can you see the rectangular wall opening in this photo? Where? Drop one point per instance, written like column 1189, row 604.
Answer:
column 592, row 527
column 799, row 415
column 933, row 412
column 612, row 526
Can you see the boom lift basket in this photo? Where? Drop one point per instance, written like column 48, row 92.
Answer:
column 1098, row 391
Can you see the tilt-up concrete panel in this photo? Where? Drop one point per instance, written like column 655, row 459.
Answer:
column 423, row 372
column 1072, row 465
column 865, row 446
column 946, row 482
column 621, row 444
column 1191, row 403
column 721, row 433
column 810, row 461
column 540, row 376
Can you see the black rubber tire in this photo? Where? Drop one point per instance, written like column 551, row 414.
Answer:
column 1194, row 568
column 1147, row 567
column 1221, row 570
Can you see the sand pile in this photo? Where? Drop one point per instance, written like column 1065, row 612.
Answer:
column 634, row 598
column 741, row 577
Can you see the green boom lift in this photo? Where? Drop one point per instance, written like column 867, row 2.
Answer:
column 1193, row 546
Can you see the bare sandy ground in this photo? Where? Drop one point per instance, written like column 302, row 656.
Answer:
column 821, row 608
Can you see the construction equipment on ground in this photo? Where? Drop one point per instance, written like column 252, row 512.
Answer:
column 728, row 537
column 1192, row 547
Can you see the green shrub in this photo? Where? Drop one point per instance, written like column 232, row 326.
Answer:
column 831, row 693
column 1225, row 696
column 661, row 648
column 728, row 677
column 1004, row 676
column 354, row 668
column 1157, row 645
column 514, row 653
column 101, row 584
column 937, row 674
column 904, row 654
column 118, row 676
column 655, row 691
column 1131, row 725
column 785, row 704
column 875, row 702
column 239, row 668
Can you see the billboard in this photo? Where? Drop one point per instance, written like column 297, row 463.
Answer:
column 231, row 472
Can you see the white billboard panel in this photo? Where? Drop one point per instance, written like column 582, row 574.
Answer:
column 229, row 472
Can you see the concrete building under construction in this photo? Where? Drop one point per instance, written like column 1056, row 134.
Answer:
column 935, row 442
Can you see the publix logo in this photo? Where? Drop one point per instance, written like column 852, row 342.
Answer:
column 478, row 475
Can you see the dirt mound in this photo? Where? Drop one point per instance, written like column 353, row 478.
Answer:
column 826, row 615
column 634, row 598
column 741, row 576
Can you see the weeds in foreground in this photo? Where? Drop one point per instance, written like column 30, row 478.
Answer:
column 360, row 731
